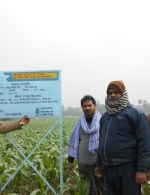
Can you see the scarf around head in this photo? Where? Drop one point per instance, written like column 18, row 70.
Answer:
column 93, row 131
column 116, row 107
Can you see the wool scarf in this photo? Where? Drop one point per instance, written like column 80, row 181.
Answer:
column 116, row 107
column 93, row 131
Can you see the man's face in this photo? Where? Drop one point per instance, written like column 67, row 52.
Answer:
column 88, row 108
column 113, row 95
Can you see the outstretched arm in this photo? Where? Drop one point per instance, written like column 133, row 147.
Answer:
column 6, row 128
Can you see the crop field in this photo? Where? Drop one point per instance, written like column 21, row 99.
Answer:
column 45, row 159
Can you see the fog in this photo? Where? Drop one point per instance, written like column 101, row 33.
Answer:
column 91, row 42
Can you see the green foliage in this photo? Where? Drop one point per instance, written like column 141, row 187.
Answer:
column 45, row 159
column 146, row 187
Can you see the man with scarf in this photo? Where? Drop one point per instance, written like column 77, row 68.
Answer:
column 83, row 145
column 124, row 147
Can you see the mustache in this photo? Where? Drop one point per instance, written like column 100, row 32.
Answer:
column 113, row 101
column 113, row 98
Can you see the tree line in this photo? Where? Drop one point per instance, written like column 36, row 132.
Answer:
column 71, row 111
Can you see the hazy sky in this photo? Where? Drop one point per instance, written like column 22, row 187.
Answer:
column 91, row 42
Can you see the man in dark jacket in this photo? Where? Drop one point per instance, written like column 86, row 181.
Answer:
column 124, row 146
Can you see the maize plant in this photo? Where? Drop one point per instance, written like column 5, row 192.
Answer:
column 45, row 159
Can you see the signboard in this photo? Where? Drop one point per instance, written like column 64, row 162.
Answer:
column 35, row 93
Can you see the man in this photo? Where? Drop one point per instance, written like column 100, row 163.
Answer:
column 83, row 145
column 6, row 128
column 124, row 147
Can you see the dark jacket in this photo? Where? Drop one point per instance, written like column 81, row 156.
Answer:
column 124, row 137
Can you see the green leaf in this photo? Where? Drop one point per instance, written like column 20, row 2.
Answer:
column 12, row 194
column 35, row 192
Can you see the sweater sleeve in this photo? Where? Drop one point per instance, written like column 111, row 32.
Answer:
column 6, row 128
column 98, row 159
column 142, row 134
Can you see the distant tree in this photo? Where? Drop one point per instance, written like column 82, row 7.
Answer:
column 145, row 103
column 97, row 102
column 100, row 107
column 70, row 111
column 63, row 107
column 145, row 106
column 79, row 109
column 37, row 112
column 139, row 101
